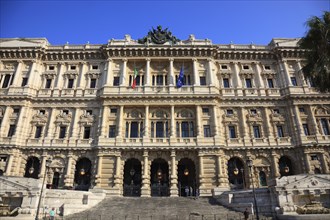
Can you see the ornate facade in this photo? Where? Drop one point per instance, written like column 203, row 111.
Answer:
column 75, row 105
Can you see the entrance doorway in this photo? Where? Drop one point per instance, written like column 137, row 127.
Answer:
column 56, row 180
column 32, row 168
column 235, row 173
column 187, row 177
column 82, row 175
column 132, row 177
column 159, row 178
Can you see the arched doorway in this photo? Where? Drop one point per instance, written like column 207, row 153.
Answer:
column 82, row 176
column 159, row 178
column 56, row 180
column 132, row 177
column 285, row 165
column 187, row 177
column 32, row 168
column 235, row 173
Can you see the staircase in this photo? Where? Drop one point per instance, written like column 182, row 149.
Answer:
column 156, row 208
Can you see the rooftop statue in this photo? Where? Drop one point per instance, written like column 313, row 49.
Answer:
column 159, row 36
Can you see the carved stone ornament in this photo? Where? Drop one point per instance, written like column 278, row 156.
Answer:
column 159, row 36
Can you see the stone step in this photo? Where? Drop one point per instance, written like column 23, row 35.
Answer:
column 157, row 208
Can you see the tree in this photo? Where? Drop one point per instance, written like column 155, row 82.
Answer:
column 316, row 44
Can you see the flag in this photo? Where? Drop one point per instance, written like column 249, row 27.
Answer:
column 134, row 78
column 179, row 83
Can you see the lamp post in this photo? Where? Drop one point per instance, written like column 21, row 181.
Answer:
column 48, row 162
column 250, row 164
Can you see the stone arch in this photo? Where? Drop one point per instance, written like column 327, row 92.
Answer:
column 235, row 171
column 32, row 167
column 159, row 177
column 187, row 177
column 82, row 176
column 286, row 166
column 132, row 177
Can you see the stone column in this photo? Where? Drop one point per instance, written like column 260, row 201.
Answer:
column 325, row 167
column 120, row 124
column 198, row 121
column 303, row 80
column 145, row 190
column 268, row 126
column 201, row 170
column 103, row 121
column 307, row 163
column 59, row 79
column 237, row 83
column 220, row 172
column 5, row 122
column 81, row 81
column 118, row 172
column 285, row 71
column 313, row 120
column 275, row 166
column 18, row 165
column 195, row 73
column 245, row 135
column 17, row 75
column 210, row 72
column 215, row 121
column 174, row 177
column 123, row 73
column 76, row 129
column 32, row 74
column 108, row 76
column 172, row 124
column 147, row 76
column 261, row 85
column 98, row 175
column 171, row 77
column 298, row 120
column 9, row 165
column 19, row 133
column 42, row 166
column 146, row 134
column 68, row 176
column 51, row 125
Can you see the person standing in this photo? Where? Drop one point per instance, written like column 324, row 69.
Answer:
column 52, row 214
column 246, row 214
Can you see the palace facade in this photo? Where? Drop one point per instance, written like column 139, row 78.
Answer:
column 75, row 105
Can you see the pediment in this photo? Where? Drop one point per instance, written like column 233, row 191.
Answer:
column 310, row 182
column 22, row 42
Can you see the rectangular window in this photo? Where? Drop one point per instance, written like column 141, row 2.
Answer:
column 159, row 79
column 314, row 157
column 38, row 132
column 112, row 131
column 270, row 83
column 73, row 67
column 276, row 111
column 159, row 129
column 87, row 132
column 116, row 81
column 302, row 110
column 113, row 111
column 230, row 112
column 245, row 67
column 202, row 80
column 325, row 126
column 65, row 112
column 89, row 112
column 95, row 67
column 306, row 130
column 205, row 111
column 6, row 81
column 134, row 130
column 16, row 111
column 232, row 131
column 51, row 68
column 280, row 132
column 226, row 83
column 11, row 132
column 70, row 83
column 185, row 129
column 24, row 81
column 256, row 132
column 294, row 81
column 267, row 67
column 224, row 67
column 253, row 111
column 207, row 131
column 62, row 132
column 48, row 83
column 248, row 83
column 93, row 83
column 42, row 112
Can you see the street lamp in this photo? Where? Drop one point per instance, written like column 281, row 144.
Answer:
column 249, row 162
column 186, row 172
column 48, row 162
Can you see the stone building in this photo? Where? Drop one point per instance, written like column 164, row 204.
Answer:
column 75, row 104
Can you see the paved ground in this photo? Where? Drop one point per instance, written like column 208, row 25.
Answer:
column 164, row 208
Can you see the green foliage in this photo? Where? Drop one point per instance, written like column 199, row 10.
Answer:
column 317, row 46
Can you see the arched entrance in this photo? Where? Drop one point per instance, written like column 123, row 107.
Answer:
column 82, row 175
column 132, row 177
column 187, row 177
column 56, row 180
column 159, row 178
column 285, row 165
column 32, row 168
column 235, row 173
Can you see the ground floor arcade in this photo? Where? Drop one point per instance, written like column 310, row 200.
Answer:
column 162, row 172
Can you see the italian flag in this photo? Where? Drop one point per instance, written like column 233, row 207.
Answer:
column 134, row 79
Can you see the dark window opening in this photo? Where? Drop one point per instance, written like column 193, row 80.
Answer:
column 116, row 81
column 51, row 67
column 270, row 83
column 226, row 83
column 12, row 129
column 93, row 83
column 70, row 83
column 256, row 131
column 24, row 81
column 205, row 111
column 224, row 67
column 280, row 132
column 245, row 67
column 73, row 67
column 89, row 112
column 6, row 81
column 248, row 83
column 230, row 112
column 267, row 67
column 294, row 81
column 38, row 132
column 202, row 80
column 207, row 131
column 48, row 83
column 62, row 132
column 232, row 132
column 95, row 67
column 112, row 131
column 87, row 132
column 306, row 130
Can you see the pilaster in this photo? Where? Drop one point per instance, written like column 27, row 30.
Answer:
column 145, row 190
column 195, row 73
column 120, row 122
column 174, row 180
column 18, row 74
column 237, row 80
column 123, row 73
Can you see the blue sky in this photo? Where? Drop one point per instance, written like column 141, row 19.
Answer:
column 77, row 22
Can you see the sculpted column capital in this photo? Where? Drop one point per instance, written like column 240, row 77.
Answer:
column 148, row 59
column 124, row 60
column 171, row 59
